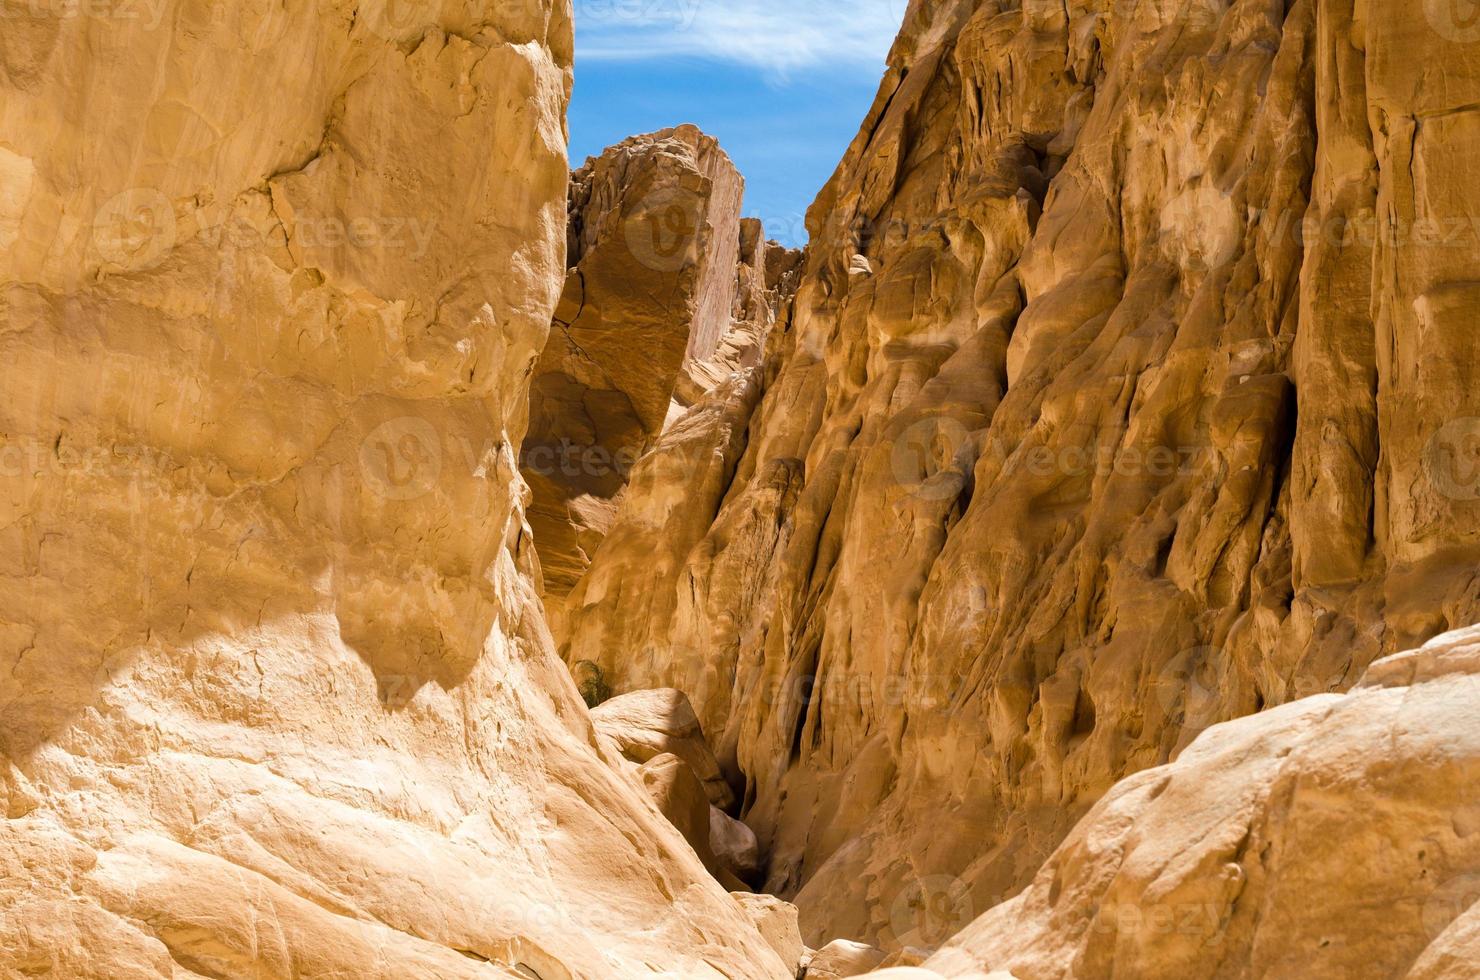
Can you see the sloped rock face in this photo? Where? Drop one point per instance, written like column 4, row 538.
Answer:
column 276, row 697
column 654, row 239
column 1332, row 837
column 1128, row 390
column 645, row 724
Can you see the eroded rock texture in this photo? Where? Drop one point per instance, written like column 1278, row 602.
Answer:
column 1128, row 389
column 276, row 696
column 1333, row 837
column 667, row 295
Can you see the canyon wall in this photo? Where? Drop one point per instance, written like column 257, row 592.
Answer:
column 670, row 295
column 276, row 695
column 1128, row 389
column 654, row 236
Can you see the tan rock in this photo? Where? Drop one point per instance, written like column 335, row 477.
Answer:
column 1079, row 439
column 905, row 956
column 843, row 958
column 654, row 244
column 276, row 698
column 735, row 845
column 675, row 790
column 777, row 921
column 646, row 724
column 1331, row 837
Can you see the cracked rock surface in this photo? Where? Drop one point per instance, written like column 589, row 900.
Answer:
column 668, row 293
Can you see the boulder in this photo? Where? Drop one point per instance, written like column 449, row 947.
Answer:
column 1337, row 836
column 843, row 958
column 671, row 785
column 777, row 922
column 645, row 724
column 735, row 845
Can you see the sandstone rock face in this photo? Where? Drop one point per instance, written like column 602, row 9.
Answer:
column 276, row 697
column 1332, row 837
column 654, row 239
column 735, row 845
column 656, row 732
column 677, row 793
column 777, row 921
column 1128, row 389
column 843, row 958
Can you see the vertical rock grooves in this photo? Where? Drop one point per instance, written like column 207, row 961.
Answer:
column 1127, row 390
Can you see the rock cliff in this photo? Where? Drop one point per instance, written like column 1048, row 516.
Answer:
column 276, row 695
column 669, row 292
column 654, row 232
column 1129, row 388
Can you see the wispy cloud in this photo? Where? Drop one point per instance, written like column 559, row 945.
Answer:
column 776, row 36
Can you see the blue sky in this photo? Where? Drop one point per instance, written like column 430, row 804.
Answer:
column 783, row 84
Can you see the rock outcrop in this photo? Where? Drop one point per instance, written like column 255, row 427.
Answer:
column 276, row 695
column 657, row 732
column 777, row 921
column 645, row 724
column 1338, row 836
column 665, row 297
column 1129, row 388
column 842, row 958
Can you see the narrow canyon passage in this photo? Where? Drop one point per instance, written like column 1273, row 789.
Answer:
column 427, row 556
column 1106, row 408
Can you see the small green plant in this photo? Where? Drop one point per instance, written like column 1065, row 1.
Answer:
column 591, row 682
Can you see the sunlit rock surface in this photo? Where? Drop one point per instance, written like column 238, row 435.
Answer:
column 276, row 694
column 654, row 233
column 1129, row 388
column 1338, row 836
column 669, row 292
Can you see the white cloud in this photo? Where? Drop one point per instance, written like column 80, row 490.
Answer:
column 777, row 36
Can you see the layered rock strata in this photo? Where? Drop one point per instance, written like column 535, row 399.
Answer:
column 276, row 695
column 1128, row 389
